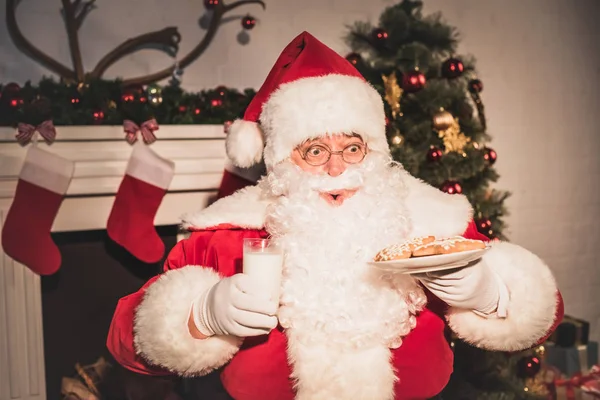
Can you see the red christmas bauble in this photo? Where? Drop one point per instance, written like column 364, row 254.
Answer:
column 528, row 367
column 413, row 81
column 216, row 102
column 210, row 4
column 475, row 86
column 248, row 22
column 182, row 109
column 489, row 155
column 98, row 116
column 452, row 187
column 379, row 34
column 452, row 68
column 434, row 154
column 354, row 58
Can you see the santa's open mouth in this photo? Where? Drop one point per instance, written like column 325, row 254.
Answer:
column 337, row 197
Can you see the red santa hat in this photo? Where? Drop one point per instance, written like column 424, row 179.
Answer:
column 310, row 92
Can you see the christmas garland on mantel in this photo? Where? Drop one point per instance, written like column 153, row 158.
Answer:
column 107, row 102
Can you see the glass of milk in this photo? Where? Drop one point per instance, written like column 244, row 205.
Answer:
column 263, row 262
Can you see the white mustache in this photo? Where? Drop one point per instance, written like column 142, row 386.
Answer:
column 350, row 179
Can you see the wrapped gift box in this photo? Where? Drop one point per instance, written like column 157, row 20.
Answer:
column 570, row 360
column 571, row 332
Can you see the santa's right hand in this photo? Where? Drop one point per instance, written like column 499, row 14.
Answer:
column 234, row 306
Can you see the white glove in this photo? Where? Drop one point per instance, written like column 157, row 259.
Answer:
column 474, row 287
column 235, row 306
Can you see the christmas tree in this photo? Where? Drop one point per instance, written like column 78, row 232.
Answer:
column 436, row 120
column 437, row 131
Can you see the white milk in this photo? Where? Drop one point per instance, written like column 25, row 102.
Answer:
column 266, row 269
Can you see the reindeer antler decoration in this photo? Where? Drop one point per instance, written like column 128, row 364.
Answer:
column 75, row 11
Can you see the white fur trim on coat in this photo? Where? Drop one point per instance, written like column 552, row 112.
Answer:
column 246, row 208
column 311, row 107
column 244, row 143
column 531, row 309
column 434, row 212
column 161, row 334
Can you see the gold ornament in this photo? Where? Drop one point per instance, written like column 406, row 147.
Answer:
column 536, row 386
column 454, row 139
column 82, row 87
column 442, row 120
column 397, row 139
column 393, row 93
column 112, row 104
column 540, row 351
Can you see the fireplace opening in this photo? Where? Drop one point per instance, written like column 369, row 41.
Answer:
column 78, row 304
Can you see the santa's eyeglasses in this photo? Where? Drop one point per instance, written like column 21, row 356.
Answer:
column 319, row 154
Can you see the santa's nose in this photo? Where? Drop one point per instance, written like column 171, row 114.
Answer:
column 335, row 166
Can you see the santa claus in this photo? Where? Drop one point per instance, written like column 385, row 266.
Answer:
column 332, row 198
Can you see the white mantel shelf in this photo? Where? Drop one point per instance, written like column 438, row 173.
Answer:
column 100, row 154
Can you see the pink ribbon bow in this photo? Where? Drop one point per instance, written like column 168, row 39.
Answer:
column 25, row 132
column 581, row 381
column 147, row 130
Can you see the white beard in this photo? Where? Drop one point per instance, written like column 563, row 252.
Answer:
column 341, row 316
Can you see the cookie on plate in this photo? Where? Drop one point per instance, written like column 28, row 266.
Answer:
column 402, row 250
column 394, row 252
column 458, row 244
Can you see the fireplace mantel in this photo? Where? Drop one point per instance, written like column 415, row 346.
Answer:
column 100, row 154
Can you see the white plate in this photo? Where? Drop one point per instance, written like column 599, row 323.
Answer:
column 418, row 265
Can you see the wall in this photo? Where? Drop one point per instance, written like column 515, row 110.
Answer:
column 539, row 61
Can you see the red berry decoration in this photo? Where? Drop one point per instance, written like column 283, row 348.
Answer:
column 379, row 35
column 528, row 367
column 434, row 154
column 413, row 81
column 248, row 22
column 354, row 58
column 128, row 97
column 98, row 116
column 133, row 93
column 11, row 93
column 452, row 187
column 221, row 90
column 216, row 102
column 483, row 225
column 489, row 155
column 211, row 4
column 16, row 102
column 182, row 109
column 475, row 86
column 452, row 68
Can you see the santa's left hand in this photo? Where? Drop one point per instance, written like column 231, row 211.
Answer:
column 474, row 287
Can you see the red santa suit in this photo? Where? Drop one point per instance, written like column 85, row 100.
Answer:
column 149, row 333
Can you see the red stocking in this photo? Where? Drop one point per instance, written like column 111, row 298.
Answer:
column 131, row 221
column 43, row 181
